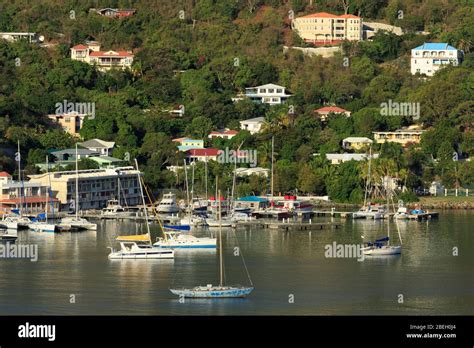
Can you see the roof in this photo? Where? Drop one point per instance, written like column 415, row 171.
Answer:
column 357, row 140
column 328, row 109
column 73, row 152
column 226, row 132
column 436, row 46
column 102, row 159
column 110, row 54
column 252, row 199
column 80, row 47
column 254, row 120
column 24, row 200
column 328, row 15
column 349, row 156
column 268, row 85
column 5, row 175
column 203, row 152
column 97, row 143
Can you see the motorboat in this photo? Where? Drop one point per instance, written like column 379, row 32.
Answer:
column 114, row 209
column 9, row 223
column 133, row 250
column 8, row 234
column 168, row 204
column 77, row 223
column 176, row 239
column 370, row 211
column 292, row 204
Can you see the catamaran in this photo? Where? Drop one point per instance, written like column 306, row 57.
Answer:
column 76, row 222
column 175, row 240
column 139, row 246
column 216, row 291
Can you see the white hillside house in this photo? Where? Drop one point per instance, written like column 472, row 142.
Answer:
column 430, row 57
column 267, row 94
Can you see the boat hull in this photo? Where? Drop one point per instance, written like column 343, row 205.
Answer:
column 51, row 228
column 228, row 292
column 387, row 250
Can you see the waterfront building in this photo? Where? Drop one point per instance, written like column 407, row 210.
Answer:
column 104, row 60
column 30, row 197
column 224, row 134
column 267, row 94
column 430, row 57
column 104, row 148
column 324, row 28
column 253, row 125
column 356, row 143
column 326, row 110
column 96, row 186
column 71, row 122
column 252, row 202
column 403, row 136
column 186, row 144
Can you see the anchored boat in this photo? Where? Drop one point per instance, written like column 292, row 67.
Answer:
column 216, row 291
column 178, row 240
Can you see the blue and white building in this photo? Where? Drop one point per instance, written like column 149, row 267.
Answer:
column 267, row 94
column 430, row 57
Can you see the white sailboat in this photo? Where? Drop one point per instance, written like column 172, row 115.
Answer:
column 132, row 246
column 41, row 224
column 382, row 247
column 177, row 240
column 216, row 291
column 76, row 222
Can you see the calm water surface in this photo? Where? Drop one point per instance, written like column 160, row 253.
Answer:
column 430, row 278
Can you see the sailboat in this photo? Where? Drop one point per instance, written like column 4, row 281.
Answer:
column 77, row 222
column 369, row 210
column 177, row 240
column 139, row 246
column 382, row 247
column 40, row 223
column 217, row 291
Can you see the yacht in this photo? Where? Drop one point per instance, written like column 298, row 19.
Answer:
column 114, row 209
column 9, row 223
column 8, row 235
column 370, row 211
column 176, row 239
column 132, row 250
column 77, row 223
column 168, row 204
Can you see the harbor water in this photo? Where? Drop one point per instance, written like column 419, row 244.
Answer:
column 289, row 270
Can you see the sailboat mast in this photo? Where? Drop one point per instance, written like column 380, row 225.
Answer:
column 221, row 268
column 186, row 183
column 47, row 191
column 77, row 186
column 118, row 190
column 143, row 200
column 367, row 183
column 273, row 145
column 192, row 195
column 19, row 179
column 205, row 175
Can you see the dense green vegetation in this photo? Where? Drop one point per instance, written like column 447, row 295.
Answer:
column 201, row 53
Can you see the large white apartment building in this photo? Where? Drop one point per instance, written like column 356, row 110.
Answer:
column 430, row 57
column 96, row 186
column 327, row 28
column 105, row 60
